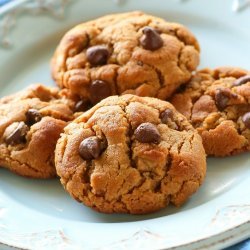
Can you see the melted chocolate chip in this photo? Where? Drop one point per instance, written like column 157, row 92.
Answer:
column 32, row 117
column 91, row 148
column 246, row 119
column 151, row 40
column 221, row 99
column 99, row 90
column 18, row 135
column 82, row 106
column 166, row 115
column 241, row 80
column 147, row 133
column 97, row 55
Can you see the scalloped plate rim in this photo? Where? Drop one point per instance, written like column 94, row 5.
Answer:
column 192, row 244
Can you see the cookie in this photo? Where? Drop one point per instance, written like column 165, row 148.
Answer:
column 131, row 53
column 30, row 124
column 130, row 154
column 217, row 103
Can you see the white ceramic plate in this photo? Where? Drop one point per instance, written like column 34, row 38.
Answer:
column 39, row 214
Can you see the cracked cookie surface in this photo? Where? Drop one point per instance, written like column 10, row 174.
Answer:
column 217, row 103
column 131, row 53
column 30, row 124
column 130, row 154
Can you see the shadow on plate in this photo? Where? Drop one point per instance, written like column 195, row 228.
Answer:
column 49, row 197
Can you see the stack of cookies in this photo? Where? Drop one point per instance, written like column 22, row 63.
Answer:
column 110, row 132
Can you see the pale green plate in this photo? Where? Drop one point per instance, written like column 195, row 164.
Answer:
column 37, row 214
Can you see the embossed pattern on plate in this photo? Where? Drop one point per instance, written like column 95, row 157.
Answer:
column 50, row 218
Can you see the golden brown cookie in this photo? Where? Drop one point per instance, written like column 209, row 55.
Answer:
column 217, row 103
column 30, row 124
column 130, row 154
column 125, row 53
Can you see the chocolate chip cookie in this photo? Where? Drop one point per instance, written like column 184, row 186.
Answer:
column 130, row 154
column 217, row 103
column 30, row 124
column 132, row 53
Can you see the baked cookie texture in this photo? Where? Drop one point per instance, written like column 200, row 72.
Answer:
column 217, row 103
column 30, row 124
column 130, row 154
column 131, row 53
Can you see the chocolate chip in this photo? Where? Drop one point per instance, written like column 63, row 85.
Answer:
column 32, row 117
column 147, row 133
column 82, row 106
column 99, row 90
column 18, row 135
column 221, row 99
column 92, row 147
column 241, row 80
column 166, row 115
column 151, row 40
column 246, row 119
column 97, row 55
